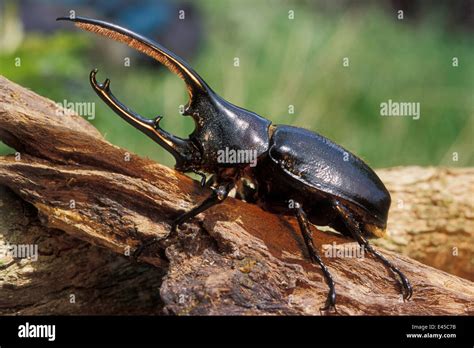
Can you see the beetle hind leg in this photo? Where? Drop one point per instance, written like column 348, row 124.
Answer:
column 315, row 257
column 354, row 228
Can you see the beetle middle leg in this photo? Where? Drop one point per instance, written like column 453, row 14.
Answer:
column 354, row 228
column 315, row 257
column 218, row 195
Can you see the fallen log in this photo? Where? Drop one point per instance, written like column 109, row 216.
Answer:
column 432, row 216
column 232, row 259
column 70, row 276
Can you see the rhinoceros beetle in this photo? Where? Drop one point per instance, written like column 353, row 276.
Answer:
column 297, row 171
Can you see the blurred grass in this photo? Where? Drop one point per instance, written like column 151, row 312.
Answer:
column 283, row 62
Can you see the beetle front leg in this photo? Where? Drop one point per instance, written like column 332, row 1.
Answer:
column 315, row 257
column 218, row 195
column 354, row 228
column 203, row 180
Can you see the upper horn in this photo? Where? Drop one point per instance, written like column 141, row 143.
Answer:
column 194, row 83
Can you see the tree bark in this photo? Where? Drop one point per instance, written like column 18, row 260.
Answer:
column 70, row 276
column 95, row 204
column 432, row 216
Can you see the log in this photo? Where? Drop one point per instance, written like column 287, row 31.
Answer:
column 70, row 276
column 432, row 216
column 233, row 259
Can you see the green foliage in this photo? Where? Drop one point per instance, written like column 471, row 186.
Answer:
column 287, row 62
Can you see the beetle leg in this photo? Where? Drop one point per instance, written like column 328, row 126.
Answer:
column 354, row 228
column 315, row 257
column 202, row 175
column 218, row 195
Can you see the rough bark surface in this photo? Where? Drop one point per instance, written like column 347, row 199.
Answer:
column 432, row 216
column 70, row 276
column 92, row 207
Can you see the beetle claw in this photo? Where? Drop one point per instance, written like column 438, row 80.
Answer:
column 329, row 308
column 406, row 288
column 330, row 305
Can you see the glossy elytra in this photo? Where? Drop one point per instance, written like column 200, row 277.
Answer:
column 297, row 171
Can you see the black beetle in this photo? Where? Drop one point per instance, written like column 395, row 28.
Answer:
column 297, row 171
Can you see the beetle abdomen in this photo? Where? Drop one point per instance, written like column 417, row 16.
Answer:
column 320, row 163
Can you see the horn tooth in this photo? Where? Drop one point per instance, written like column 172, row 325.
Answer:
column 157, row 120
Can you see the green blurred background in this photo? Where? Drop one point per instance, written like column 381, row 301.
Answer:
column 282, row 62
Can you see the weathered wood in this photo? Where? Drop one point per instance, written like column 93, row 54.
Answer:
column 432, row 216
column 70, row 276
column 233, row 259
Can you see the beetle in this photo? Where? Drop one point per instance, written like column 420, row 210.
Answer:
column 298, row 172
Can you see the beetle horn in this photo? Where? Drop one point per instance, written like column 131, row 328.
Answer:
column 194, row 83
column 183, row 150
